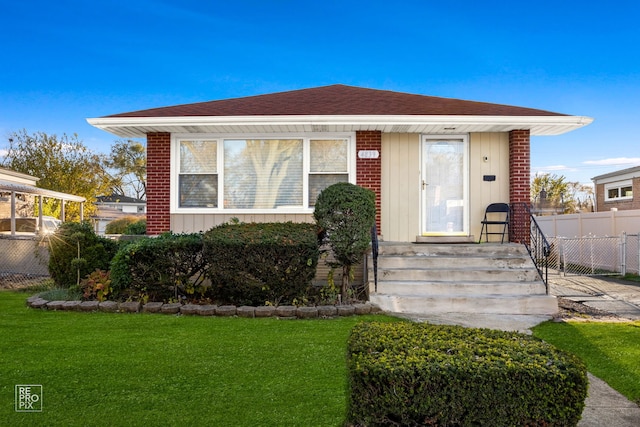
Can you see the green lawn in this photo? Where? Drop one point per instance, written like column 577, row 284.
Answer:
column 610, row 350
column 151, row 369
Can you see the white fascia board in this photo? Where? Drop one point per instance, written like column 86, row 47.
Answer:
column 616, row 178
column 553, row 125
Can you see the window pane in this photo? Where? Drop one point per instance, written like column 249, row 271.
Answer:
column 612, row 193
column 317, row 183
column 262, row 173
column 199, row 191
column 198, row 156
column 627, row 192
column 329, row 155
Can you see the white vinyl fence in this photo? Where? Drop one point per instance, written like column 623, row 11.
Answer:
column 597, row 243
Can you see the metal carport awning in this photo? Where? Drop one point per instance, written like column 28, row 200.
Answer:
column 13, row 188
column 7, row 186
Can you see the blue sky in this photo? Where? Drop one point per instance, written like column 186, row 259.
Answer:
column 64, row 61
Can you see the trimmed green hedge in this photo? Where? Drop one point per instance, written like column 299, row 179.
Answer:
column 170, row 266
column 419, row 374
column 258, row 263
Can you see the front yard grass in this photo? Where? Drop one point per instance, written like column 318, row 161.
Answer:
column 611, row 350
column 151, row 369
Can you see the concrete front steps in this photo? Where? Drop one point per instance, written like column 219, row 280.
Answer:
column 458, row 278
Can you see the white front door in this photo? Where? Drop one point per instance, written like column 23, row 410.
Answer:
column 445, row 183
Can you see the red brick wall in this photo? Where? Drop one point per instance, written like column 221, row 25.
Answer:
column 621, row 205
column 519, row 181
column 158, row 182
column 369, row 171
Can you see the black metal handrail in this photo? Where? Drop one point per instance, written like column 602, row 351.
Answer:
column 374, row 255
column 536, row 243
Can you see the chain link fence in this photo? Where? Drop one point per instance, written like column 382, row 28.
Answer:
column 595, row 256
column 23, row 262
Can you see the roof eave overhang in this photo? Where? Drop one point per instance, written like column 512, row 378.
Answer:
column 137, row 127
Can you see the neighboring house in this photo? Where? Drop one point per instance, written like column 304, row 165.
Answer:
column 114, row 207
column 433, row 163
column 617, row 190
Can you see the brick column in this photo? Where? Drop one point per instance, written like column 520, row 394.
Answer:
column 519, row 183
column 369, row 171
column 158, row 182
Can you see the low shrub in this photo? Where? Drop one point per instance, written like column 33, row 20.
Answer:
column 75, row 250
column 138, row 228
column 258, row 263
column 420, row 374
column 167, row 267
column 96, row 286
column 126, row 225
column 60, row 294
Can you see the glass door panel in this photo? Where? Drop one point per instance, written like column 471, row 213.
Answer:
column 444, row 185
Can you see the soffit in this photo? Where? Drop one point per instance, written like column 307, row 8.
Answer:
column 137, row 127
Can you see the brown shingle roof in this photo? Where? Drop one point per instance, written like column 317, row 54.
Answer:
column 338, row 100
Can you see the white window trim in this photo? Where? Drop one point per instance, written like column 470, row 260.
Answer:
column 619, row 185
column 305, row 137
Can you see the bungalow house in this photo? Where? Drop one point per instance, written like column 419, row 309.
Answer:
column 433, row 163
column 616, row 190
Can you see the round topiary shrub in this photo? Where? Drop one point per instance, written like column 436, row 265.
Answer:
column 345, row 214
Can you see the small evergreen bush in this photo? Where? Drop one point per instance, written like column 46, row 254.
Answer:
column 256, row 263
column 167, row 267
column 126, row 225
column 419, row 374
column 75, row 250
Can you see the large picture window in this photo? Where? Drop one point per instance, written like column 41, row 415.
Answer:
column 259, row 174
column 262, row 173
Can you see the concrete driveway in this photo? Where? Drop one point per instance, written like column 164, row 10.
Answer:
column 618, row 297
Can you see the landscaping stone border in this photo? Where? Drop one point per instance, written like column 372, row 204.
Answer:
column 282, row 311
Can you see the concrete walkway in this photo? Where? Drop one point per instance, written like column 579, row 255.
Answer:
column 604, row 406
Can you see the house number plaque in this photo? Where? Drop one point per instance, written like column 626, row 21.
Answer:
column 368, row 154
